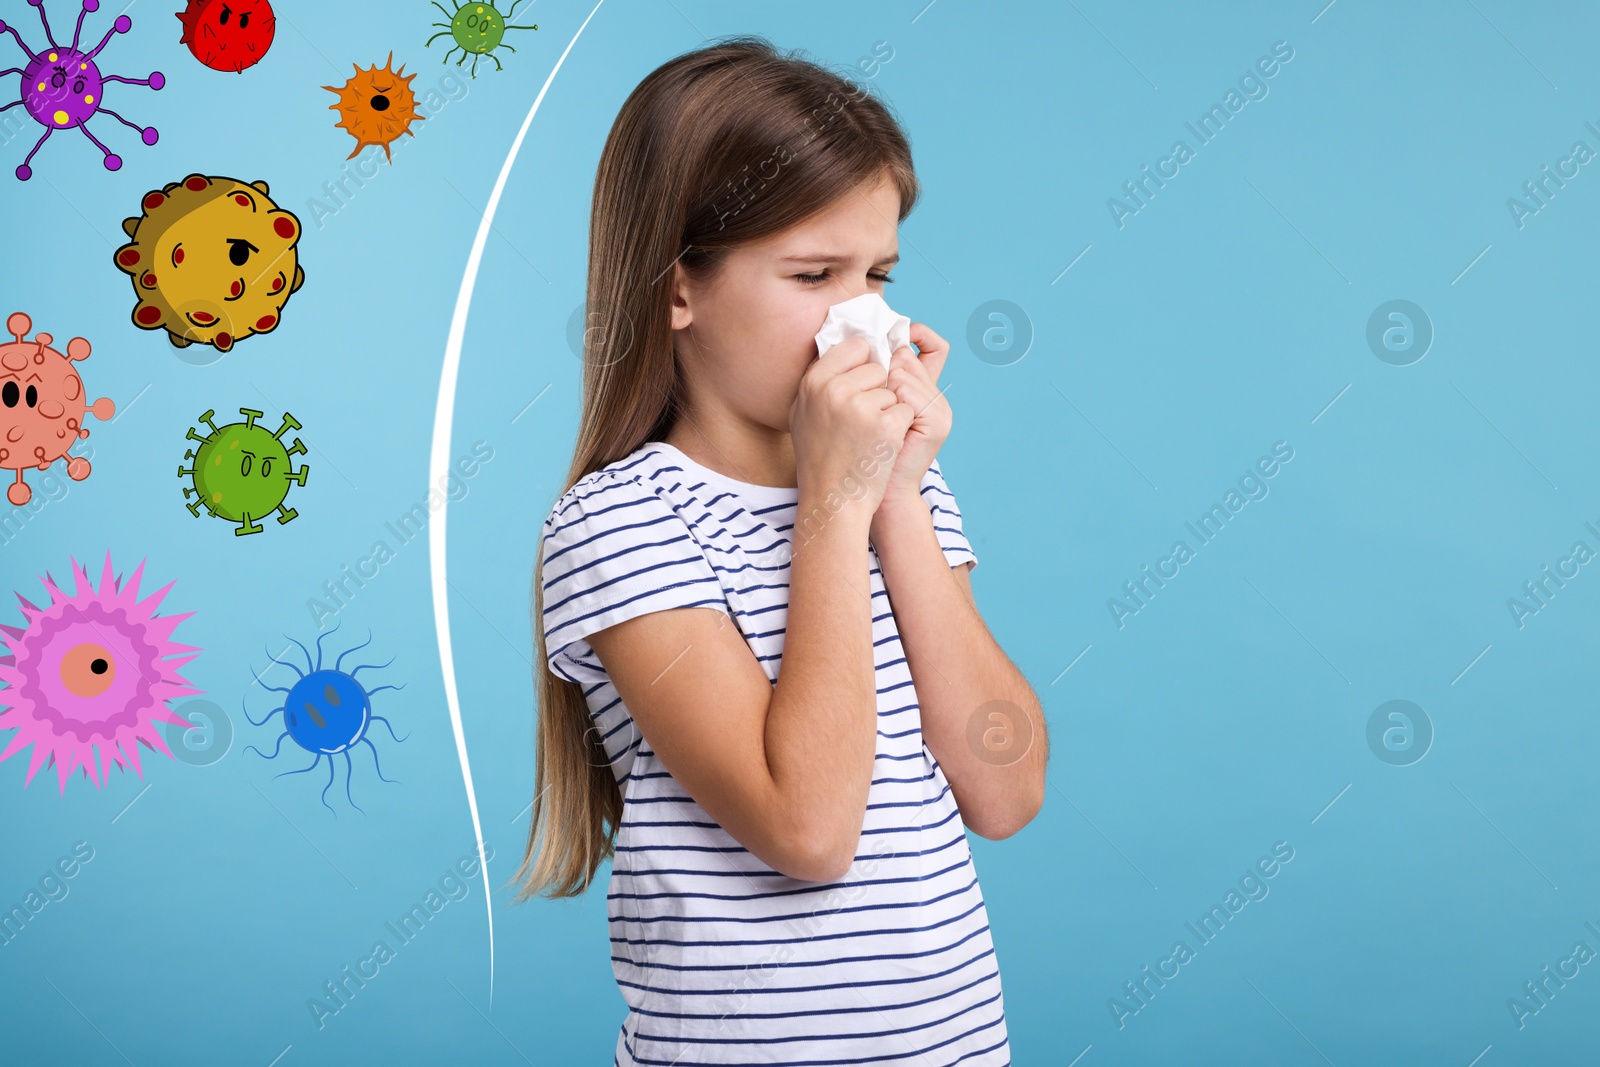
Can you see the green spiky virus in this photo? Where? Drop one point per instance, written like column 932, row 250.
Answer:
column 242, row 471
column 477, row 29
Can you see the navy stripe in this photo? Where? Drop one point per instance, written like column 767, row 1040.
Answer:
column 625, row 575
column 810, row 889
column 898, row 1005
column 821, row 987
column 846, row 1036
column 767, row 916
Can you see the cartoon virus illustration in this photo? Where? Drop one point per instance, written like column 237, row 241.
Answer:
column 241, row 471
column 88, row 678
column 327, row 712
column 376, row 105
column 211, row 260
column 42, row 404
column 61, row 87
column 477, row 29
column 228, row 35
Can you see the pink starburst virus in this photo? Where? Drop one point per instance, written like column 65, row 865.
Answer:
column 88, row 678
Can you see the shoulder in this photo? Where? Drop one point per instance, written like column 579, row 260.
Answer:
column 614, row 494
column 615, row 546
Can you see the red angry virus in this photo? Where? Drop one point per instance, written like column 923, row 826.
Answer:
column 228, row 35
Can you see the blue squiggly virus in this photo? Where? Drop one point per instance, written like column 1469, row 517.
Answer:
column 327, row 712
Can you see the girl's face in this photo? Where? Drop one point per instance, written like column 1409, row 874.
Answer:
column 745, row 340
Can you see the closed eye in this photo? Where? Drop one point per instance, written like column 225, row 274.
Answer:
column 818, row 279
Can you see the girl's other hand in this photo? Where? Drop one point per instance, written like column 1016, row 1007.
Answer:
column 914, row 379
column 847, row 423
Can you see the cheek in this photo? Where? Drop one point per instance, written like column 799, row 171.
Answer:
column 796, row 320
column 759, row 365
column 792, row 347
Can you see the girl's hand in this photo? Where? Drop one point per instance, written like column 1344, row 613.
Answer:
column 843, row 416
column 914, row 380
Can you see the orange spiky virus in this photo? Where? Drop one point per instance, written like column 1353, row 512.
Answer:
column 376, row 106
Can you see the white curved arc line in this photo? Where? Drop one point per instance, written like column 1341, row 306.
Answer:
column 438, row 474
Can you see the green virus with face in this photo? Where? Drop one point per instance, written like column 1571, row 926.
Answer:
column 477, row 29
column 241, row 472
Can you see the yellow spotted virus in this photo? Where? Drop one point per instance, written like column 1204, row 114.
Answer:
column 376, row 105
column 212, row 260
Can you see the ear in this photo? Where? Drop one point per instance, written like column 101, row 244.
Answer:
column 682, row 310
column 263, row 187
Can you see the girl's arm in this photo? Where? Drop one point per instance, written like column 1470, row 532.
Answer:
column 958, row 668
column 784, row 768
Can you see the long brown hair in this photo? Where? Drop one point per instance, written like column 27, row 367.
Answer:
column 720, row 146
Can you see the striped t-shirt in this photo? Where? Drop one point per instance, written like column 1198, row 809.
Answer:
column 720, row 958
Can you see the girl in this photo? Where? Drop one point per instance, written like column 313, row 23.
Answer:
column 779, row 764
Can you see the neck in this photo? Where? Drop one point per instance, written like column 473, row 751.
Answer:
column 742, row 451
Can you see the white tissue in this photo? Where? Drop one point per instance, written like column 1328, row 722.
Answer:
column 869, row 316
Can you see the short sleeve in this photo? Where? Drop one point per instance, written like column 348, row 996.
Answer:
column 613, row 550
column 946, row 518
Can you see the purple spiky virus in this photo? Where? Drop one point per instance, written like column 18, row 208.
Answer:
column 62, row 87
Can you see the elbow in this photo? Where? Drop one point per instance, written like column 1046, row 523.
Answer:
column 825, row 858
column 810, row 852
column 1018, row 807
column 1001, row 822
column 993, row 829
column 998, row 829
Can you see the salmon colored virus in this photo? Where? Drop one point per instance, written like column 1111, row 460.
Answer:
column 62, row 87
column 87, row 679
column 376, row 105
column 228, row 35
column 42, row 405
column 212, row 260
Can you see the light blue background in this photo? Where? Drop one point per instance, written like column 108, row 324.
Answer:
column 1229, row 714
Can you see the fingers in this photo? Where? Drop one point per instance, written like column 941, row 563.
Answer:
column 904, row 415
column 868, row 374
column 912, row 380
column 850, row 352
column 934, row 349
column 883, row 399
